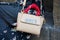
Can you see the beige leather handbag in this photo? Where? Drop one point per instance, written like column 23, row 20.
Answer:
column 29, row 23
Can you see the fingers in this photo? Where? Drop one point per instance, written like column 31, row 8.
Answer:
column 14, row 24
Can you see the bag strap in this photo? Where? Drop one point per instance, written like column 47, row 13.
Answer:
column 34, row 6
column 24, row 3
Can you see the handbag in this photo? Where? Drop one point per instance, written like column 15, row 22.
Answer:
column 29, row 23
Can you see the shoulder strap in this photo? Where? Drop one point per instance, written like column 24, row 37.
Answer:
column 24, row 3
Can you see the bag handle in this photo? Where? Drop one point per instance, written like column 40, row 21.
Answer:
column 33, row 6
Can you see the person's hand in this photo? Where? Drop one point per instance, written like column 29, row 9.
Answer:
column 14, row 24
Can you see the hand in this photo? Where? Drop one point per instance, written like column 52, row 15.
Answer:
column 14, row 24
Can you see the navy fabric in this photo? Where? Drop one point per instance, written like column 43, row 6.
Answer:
column 8, row 16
